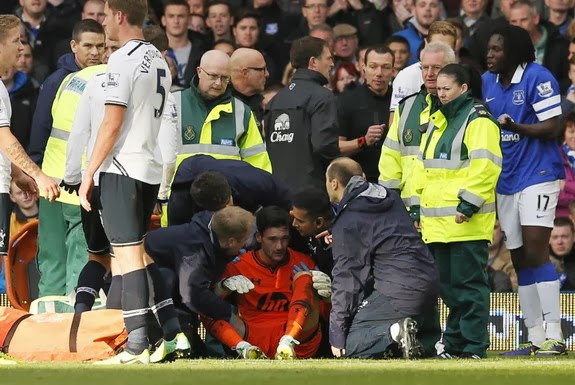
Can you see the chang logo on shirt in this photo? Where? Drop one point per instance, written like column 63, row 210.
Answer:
column 545, row 89
column 507, row 136
column 518, row 97
column 281, row 124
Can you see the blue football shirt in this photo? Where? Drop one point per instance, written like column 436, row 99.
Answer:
column 531, row 97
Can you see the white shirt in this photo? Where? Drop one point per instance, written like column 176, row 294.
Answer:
column 88, row 118
column 138, row 78
column 407, row 82
column 5, row 115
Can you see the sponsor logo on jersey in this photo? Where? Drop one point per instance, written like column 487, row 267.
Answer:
column 545, row 89
column 518, row 97
column 510, row 137
column 113, row 80
column 281, row 125
column 276, row 302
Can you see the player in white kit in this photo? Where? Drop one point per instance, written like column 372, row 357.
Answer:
column 137, row 85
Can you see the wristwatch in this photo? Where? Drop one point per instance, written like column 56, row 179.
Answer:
column 361, row 143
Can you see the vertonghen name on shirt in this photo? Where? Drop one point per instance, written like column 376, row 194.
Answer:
column 148, row 58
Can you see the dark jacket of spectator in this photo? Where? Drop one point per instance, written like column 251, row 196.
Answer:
column 376, row 247
column 8, row 6
column 556, row 51
column 372, row 26
column 57, row 27
column 301, row 130
column 255, row 102
column 23, row 96
column 358, row 108
column 199, row 47
column 42, row 120
column 251, row 187
column 192, row 251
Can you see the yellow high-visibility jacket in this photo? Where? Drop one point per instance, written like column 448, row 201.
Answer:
column 63, row 113
column 401, row 146
column 460, row 162
column 227, row 131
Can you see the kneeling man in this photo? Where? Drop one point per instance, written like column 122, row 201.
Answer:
column 278, row 308
column 384, row 278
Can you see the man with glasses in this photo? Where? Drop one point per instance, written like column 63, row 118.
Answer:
column 399, row 154
column 314, row 12
column 213, row 122
column 249, row 75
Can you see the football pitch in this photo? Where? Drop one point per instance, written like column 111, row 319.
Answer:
column 491, row 371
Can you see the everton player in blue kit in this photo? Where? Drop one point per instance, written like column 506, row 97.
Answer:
column 525, row 98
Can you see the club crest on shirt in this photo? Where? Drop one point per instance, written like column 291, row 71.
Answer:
column 189, row 133
column 544, row 89
column 272, row 28
column 518, row 97
column 407, row 136
column 113, row 80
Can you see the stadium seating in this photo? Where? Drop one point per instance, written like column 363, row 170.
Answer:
column 21, row 251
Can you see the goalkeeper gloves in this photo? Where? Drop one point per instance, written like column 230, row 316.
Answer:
column 237, row 283
column 248, row 351
column 285, row 350
column 321, row 281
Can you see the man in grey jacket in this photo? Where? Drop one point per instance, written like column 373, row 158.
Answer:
column 384, row 278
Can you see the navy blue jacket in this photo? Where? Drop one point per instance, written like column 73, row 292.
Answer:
column 193, row 252
column 251, row 186
column 376, row 247
column 42, row 120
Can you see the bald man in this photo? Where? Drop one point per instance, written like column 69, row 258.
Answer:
column 382, row 266
column 249, row 75
column 214, row 122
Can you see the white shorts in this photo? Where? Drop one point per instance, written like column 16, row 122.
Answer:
column 534, row 206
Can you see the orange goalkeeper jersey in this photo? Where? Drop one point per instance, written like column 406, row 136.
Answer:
column 269, row 301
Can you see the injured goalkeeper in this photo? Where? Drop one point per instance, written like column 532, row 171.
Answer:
column 277, row 296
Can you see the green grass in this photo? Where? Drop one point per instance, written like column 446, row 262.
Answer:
column 492, row 371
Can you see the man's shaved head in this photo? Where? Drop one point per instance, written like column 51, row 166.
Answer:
column 343, row 169
column 249, row 72
column 213, row 58
column 213, row 74
column 245, row 57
